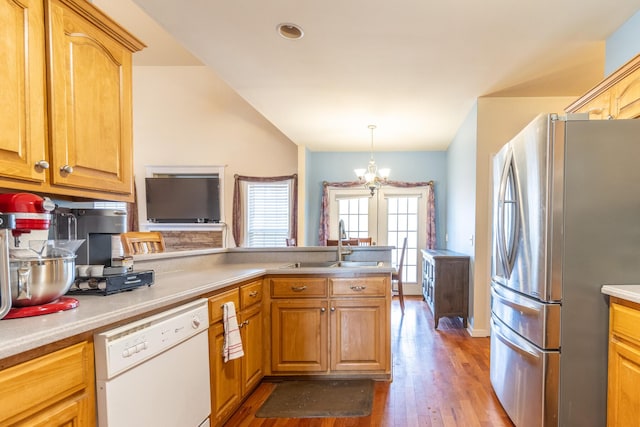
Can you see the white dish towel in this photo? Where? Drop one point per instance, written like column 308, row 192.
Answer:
column 232, row 348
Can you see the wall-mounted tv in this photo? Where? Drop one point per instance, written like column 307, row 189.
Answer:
column 183, row 199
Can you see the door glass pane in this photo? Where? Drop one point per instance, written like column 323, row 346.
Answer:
column 355, row 214
column 402, row 222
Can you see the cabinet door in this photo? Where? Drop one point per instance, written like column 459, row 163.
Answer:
column 626, row 99
column 623, row 400
column 252, row 339
column 68, row 413
column 90, row 106
column 225, row 378
column 359, row 334
column 299, row 335
column 22, row 85
column 55, row 389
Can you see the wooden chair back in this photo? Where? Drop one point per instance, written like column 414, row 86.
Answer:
column 364, row 241
column 351, row 242
column 397, row 276
column 142, row 242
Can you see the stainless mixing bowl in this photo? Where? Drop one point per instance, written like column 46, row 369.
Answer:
column 41, row 280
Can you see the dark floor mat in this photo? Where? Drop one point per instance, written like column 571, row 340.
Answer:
column 322, row 398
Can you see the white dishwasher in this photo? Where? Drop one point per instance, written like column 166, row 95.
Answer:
column 155, row 371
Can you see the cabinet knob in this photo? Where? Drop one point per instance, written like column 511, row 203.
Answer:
column 253, row 294
column 42, row 164
column 322, row 310
column 298, row 288
column 333, row 309
column 66, row 169
column 358, row 288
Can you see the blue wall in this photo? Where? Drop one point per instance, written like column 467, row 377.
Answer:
column 413, row 166
column 623, row 45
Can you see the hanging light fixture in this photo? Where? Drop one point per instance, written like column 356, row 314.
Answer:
column 371, row 177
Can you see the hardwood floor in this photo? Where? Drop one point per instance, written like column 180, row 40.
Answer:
column 440, row 378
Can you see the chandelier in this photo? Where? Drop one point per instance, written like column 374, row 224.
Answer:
column 372, row 178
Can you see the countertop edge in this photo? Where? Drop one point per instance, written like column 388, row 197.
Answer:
column 626, row 292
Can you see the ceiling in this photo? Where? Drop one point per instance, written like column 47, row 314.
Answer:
column 414, row 68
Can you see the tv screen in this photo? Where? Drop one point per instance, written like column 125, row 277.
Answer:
column 189, row 200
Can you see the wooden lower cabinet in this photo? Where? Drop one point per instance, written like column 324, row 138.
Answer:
column 299, row 335
column 232, row 381
column 57, row 389
column 623, row 393
column 345, row 332
column 252, row 341
column 226, row 385
column 358, row 340
column 445, row 284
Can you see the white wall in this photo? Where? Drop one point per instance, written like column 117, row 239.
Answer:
column 186, row 115
column 496, row 121
column 461, row 196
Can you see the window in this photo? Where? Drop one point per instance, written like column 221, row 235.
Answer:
column 268, row 214
column 264, row 210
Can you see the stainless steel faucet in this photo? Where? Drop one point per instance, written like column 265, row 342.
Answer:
column 342, row 235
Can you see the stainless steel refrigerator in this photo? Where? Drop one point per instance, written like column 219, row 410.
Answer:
column 566, row 220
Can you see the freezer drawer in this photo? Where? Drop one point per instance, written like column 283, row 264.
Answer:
column 524, row 378
column 536, row 321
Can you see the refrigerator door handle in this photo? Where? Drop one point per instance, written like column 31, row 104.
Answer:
column 520, row 347
column 520, row 306
column 506, row 244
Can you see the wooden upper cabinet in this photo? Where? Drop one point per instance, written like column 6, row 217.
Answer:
column 616, row 97
column 22, row 84
column 626, row 97
column 90, row 89
column 66, row 120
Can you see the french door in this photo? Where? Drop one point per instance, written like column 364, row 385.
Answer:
column 388, row 217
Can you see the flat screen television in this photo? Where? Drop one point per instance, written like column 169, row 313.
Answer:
column 183, row 199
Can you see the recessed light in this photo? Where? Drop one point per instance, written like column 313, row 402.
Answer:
column 290, row 31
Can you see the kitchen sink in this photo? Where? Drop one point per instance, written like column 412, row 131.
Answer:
column 353, row 264
column 345, row 264
column 311, row 264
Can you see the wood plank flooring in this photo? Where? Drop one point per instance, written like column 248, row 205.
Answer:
column 440, row 378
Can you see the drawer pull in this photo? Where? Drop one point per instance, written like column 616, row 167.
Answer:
column 358, row 288
column 253, row 294
column 298, row 288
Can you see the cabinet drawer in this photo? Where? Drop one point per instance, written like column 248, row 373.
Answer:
column 41, row 382
column 360, row 286
column 216, row 301
column 291, row 287
column 625, row 321
column 251, row 294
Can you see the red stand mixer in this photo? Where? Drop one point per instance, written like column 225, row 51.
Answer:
column 32, row 280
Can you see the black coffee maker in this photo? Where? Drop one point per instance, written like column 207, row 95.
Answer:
column 101, row 229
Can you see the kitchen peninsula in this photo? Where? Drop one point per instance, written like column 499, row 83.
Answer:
column 361, row 294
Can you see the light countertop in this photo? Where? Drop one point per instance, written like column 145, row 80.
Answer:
column 627, row 292
column 97, row 312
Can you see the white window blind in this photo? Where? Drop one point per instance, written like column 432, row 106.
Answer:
column 268, row 213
